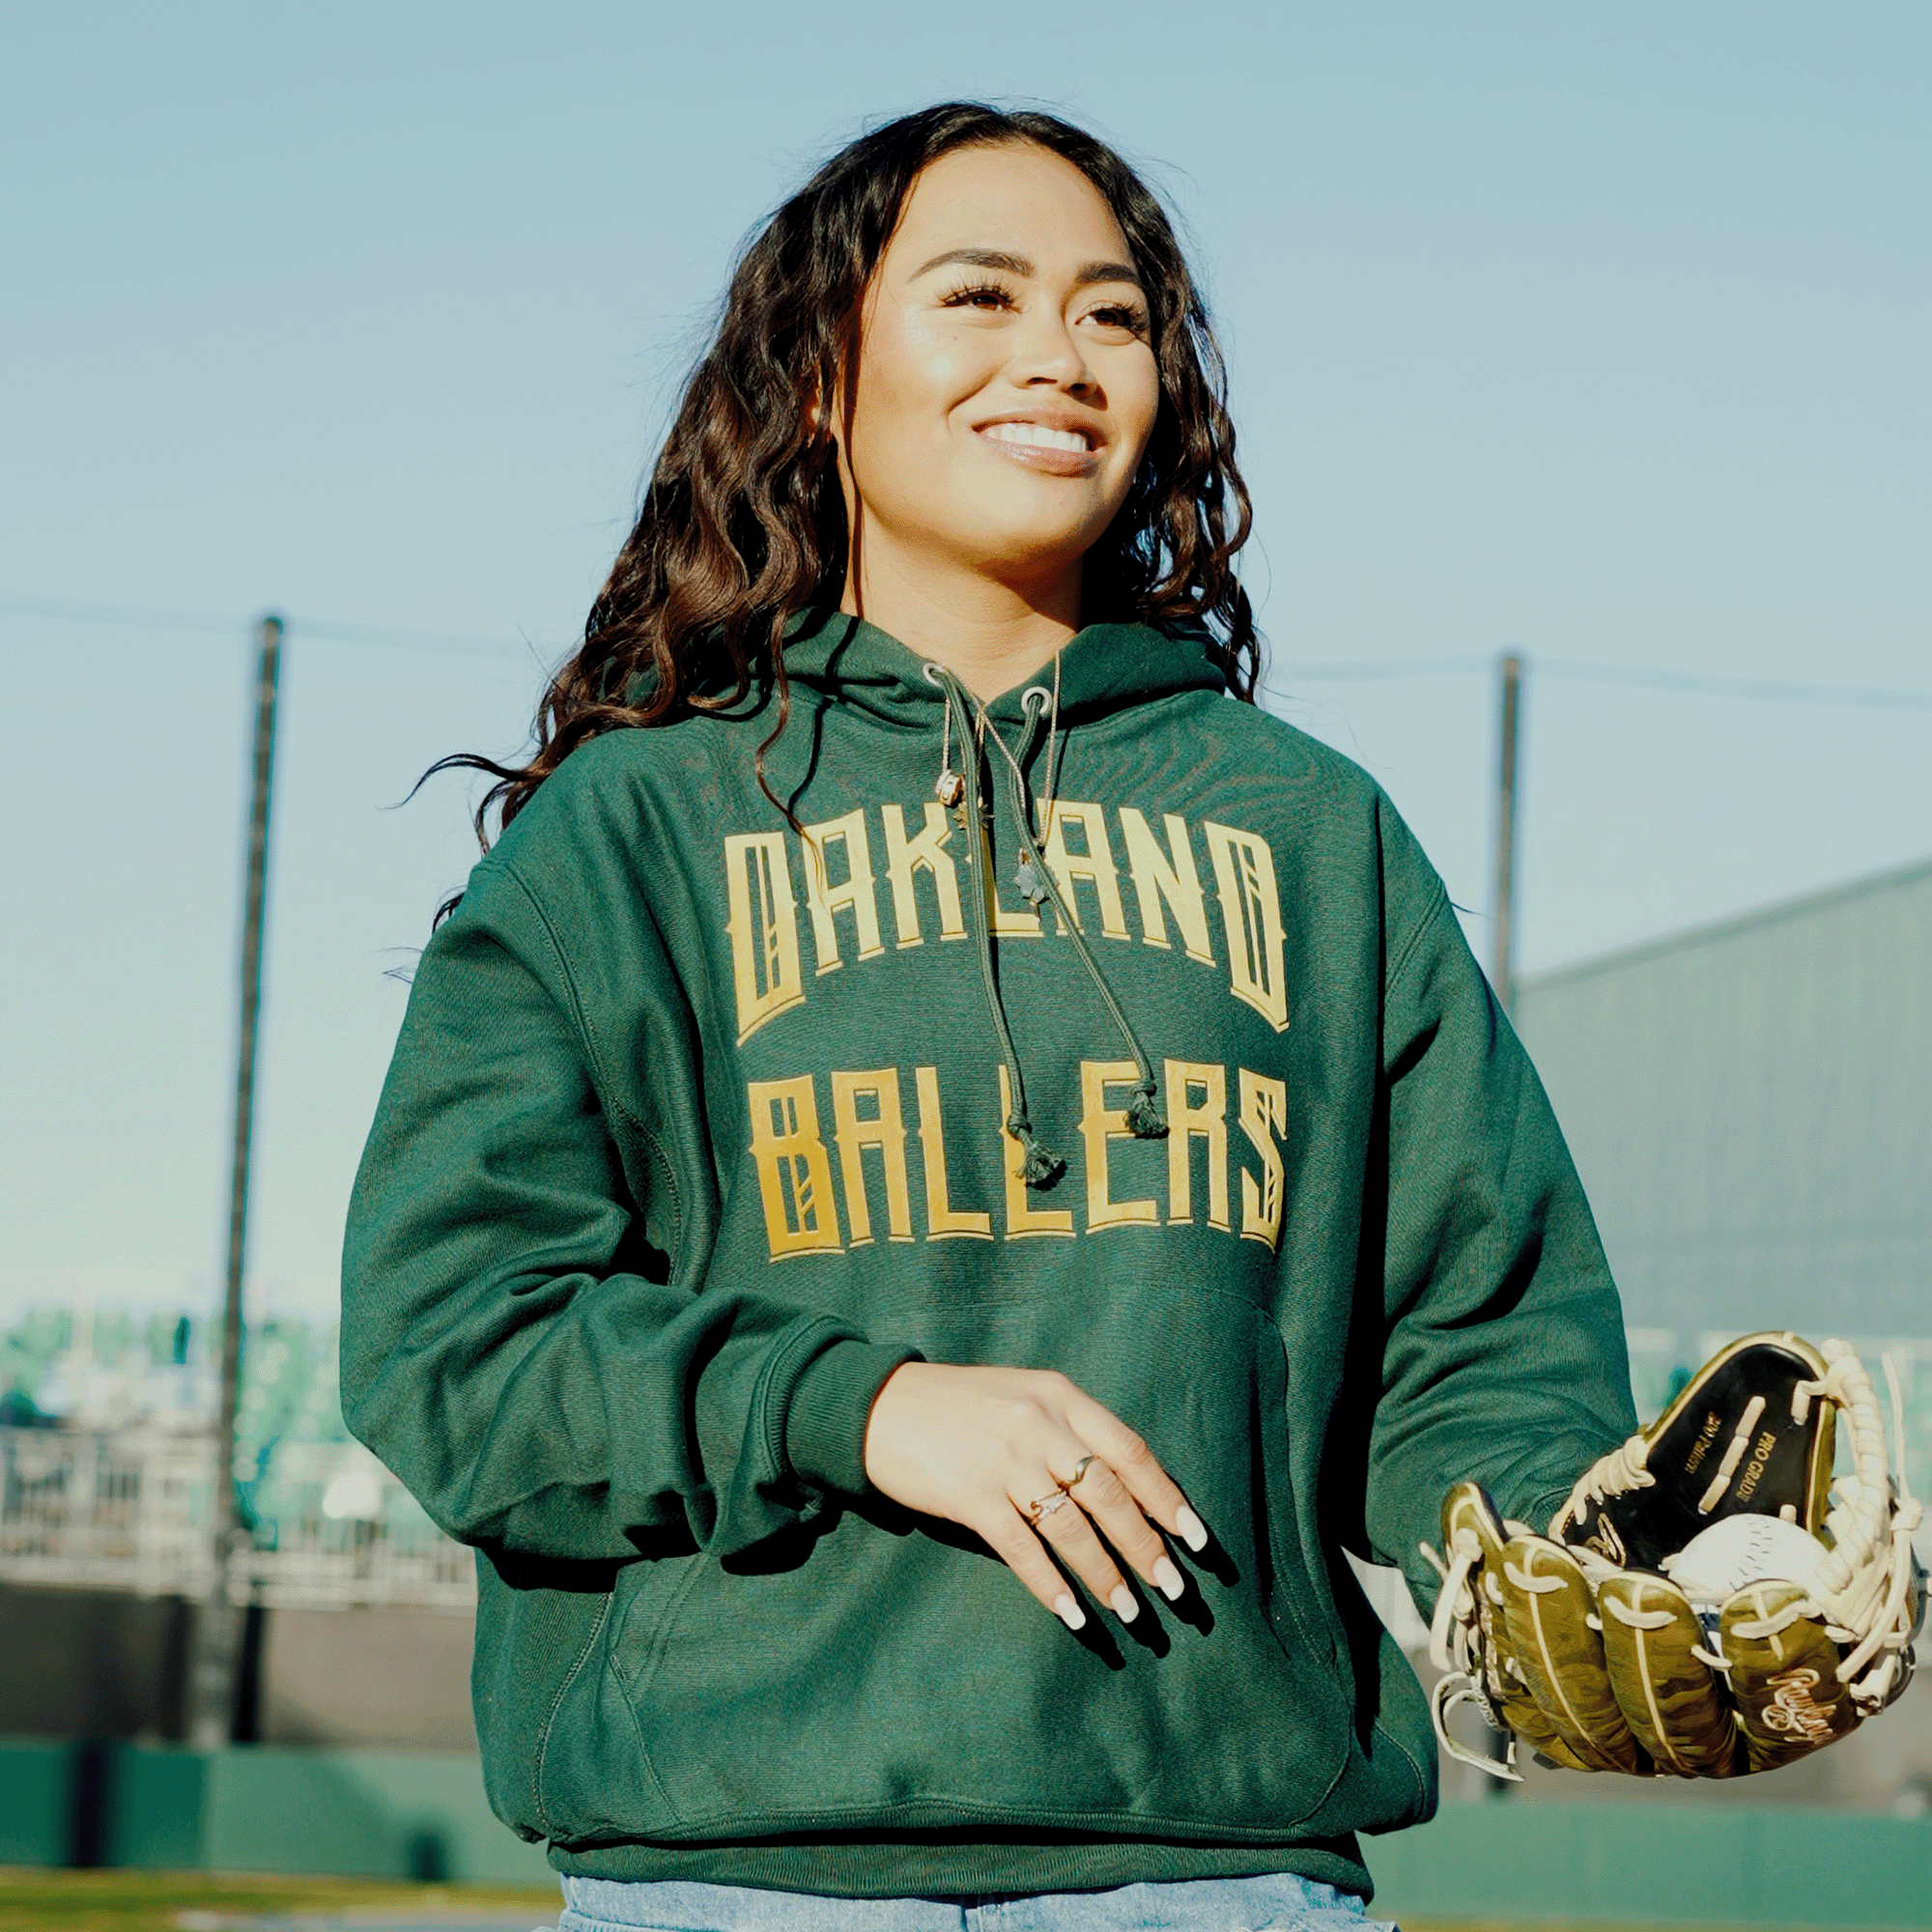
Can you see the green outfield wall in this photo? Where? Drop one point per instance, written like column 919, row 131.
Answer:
column 406, row 1814
column 375, row 1814
column 1656, row 1865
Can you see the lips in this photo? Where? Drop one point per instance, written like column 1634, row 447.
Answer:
column 1059, row 448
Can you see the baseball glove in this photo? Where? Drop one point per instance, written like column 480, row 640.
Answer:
column 1708, row 1602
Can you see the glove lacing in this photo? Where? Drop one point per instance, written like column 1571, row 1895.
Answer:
column 1455, row 1606
column 1865, row 1584
column 1451, row 1632
column 1616, row 1474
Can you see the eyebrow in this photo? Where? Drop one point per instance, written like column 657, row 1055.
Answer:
column 1086, row 275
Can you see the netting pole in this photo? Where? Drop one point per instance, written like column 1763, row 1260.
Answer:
column 1502, row 929
column 222, row 1620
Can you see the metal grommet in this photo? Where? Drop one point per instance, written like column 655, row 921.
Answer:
column 931, row 672
column 1033, row 691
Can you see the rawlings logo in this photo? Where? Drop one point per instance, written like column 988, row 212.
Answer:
column 1605, row 1542
column 1793, row 1708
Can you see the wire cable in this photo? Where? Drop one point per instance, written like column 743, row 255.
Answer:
column 1343, row 670
column 1652, row 677
column 1769, row 689
column 1334, row 671
column 334, row 630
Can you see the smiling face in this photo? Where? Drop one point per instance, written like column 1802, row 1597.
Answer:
column 1006, row 386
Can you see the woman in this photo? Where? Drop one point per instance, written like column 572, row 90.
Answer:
column 931, row 1082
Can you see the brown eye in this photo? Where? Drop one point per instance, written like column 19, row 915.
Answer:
column 987, row 296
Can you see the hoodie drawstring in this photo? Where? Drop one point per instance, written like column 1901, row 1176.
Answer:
column 1041, row 1167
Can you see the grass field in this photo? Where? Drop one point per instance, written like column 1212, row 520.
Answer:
column 119, row 1901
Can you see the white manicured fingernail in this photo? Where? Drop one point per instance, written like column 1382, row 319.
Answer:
column 1069, row 1612
column 1191, row 1530
column 1168, row 1578
column 1125, row 1606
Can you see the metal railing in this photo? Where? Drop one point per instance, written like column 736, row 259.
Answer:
column 129, row 1510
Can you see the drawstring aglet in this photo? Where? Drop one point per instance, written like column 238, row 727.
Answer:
column 1040, row 1167
column 1144, row 1120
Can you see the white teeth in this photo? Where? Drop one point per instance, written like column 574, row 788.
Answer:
column 1038, row 436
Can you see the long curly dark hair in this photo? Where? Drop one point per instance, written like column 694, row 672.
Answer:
column 743, row 524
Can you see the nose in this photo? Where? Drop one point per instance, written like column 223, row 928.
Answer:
column 1048, row 354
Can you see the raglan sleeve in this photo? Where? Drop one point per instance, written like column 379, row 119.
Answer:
column 521, row 1342
column 1503, row 1356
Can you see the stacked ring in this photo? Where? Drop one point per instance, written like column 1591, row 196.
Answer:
column 1061, row 1493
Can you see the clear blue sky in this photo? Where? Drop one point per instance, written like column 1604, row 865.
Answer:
column 1598, row 331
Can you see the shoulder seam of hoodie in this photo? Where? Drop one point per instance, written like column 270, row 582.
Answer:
column 1438, row 899
column 608, row 1091
column 562, row 958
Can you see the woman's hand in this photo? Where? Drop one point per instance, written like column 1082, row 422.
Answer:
column 1029, row 1464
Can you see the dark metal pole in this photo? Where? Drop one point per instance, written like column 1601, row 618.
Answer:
column 1502, row 964
column 218, row 1647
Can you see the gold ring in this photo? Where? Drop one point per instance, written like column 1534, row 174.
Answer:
column 1042, row 1506
column 1080, row 1469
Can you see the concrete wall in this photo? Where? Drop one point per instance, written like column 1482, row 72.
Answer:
column 395, row 1678
column 79, row 1663
column 106, row 1664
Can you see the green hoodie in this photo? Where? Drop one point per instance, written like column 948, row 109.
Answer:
column 698, row 1127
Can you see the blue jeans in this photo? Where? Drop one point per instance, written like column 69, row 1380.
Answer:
column 1279, row 1902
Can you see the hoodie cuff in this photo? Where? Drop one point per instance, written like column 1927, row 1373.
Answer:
column 831, row 1404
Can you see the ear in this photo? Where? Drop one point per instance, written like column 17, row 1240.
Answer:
column 825, row 406
column 821, row 420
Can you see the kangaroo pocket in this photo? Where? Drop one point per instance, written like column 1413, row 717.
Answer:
column 896, row 1673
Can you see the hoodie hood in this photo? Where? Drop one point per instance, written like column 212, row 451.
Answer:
column 1100, row 670
column 1103, row 668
